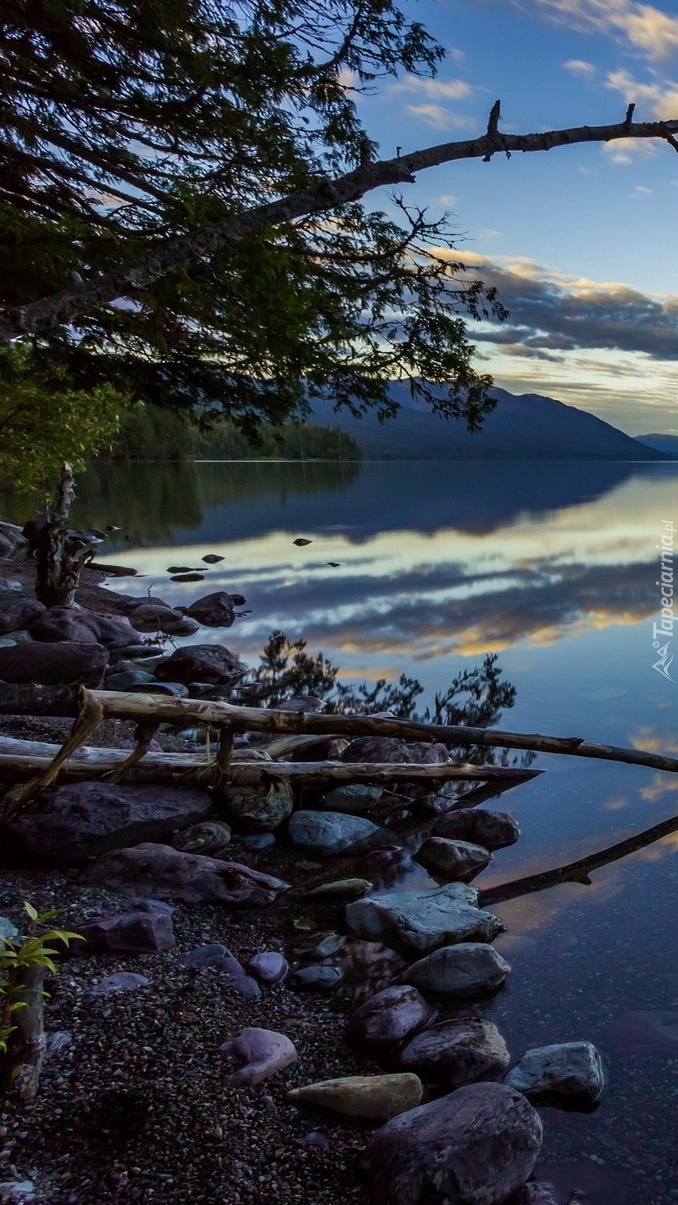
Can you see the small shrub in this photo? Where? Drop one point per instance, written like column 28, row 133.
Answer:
column 17, row 956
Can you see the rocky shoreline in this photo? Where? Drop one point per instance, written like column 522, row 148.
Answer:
column 245, row 948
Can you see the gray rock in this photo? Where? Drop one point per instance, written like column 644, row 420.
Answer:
column 355, row 799
column 269, row 967
column 263, row 1051
column 258, row 840
column 421, row 921
column 536, row 1193
column 17, row 613
column 149, row 655
column 145, row 929
column 211, row 837
column 452, row 859
column 567, row 1068
column 128, row 680
column 59, row 664
column 161, row 870
column 459, row 972
column 320, row 945
column 493, row 830
column 391, row 1018
column 150, row 617
column 339, row 889
column 219, row 958
column 121, row 981
column 327, row 834
column 88, row 818
column 316, row 978
column 371, row 1098
column 175, row 690
column 201, row 663
column 10, row 588
column 455, row 1053
column 215, row 610
column 8, row 931
column 392, row 749
column 259, row 809
column 82, row 626
column 181, row 627
column 473, row 1147
column 22, row 1191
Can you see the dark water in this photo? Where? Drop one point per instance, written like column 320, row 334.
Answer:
column 553, row 566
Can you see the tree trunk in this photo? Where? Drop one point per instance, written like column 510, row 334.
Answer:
column 20, row 1067
column 58, row 555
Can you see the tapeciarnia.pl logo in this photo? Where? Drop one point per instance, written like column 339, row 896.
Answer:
column 662, row 632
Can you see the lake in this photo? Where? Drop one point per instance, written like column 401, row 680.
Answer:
column 555, row 567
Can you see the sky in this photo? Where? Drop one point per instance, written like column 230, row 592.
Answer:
column 582, row 241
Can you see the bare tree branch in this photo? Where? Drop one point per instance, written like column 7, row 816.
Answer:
column 67, row 306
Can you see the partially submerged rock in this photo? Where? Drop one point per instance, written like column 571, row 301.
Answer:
column 328, row 834
column 421, row 921
column 459, row 972
column 391, row 1018
column 455, row 1053
column 493, row 830
column 452, row 859
column 567, row 1068
column 160, row 870
column 201, row 663
column 375, row 1098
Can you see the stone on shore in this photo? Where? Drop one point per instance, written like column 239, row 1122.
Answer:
column 473, row 1147
column 17, row 613
column 82, row 626
column 567, row 1068
column 145, row 929
column 455, row 1053
column 392, row 749
column 211, row 837
column 269, row 967
column 84, row 819
column 263, row 1052
column 355, row 798
column 375, row 1098
column 201, row 663
column 317, row 977
column 459, row 972
column 215, row 610
column 493, row 830
column 420, row 921
column 63, row 663
column 452, row 859
column 159, row 870
column 258, row 809
column 328, row 834
column 390, row 1018
column 218, row 958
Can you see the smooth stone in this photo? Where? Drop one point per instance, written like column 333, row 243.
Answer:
column 84, row 819
column 452, row 859
column 392, row 749
column 216, row 610
column 143, row 930
column 201, row 663
column 258, row 809
column 330, row 833
column 170, row 873
column 263, row 1051
column 455, row 1053
column 59, row 664
column 420, row 921
column 258, row 840
column 355, row 799
column 215, row 957
column 316, row 978
column 121, row 981
column 320, row 945
column 128, row 679
column 8, row 930
column 174, row 690
column 18, row 613
column 340, row 889
column 78, row 624
column 391, row 1018
column 473, row 1147
column 148, row 655
column 568, row 1068
column 459, row 972
column 181, row 627
column 492, row 830
column 210, row 837
column 10, row 588
column 375, row 1098
column 269, row 967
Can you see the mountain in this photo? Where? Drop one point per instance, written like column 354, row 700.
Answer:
column 528, row 427
column 668, row 444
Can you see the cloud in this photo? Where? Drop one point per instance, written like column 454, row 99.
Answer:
column 434, row 89
column 628, row 150
column 581, row 68
column 640, row 192
column 648, row 30
column 660, row 97
column 440, row 118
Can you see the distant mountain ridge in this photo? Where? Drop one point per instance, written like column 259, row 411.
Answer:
column 668, row 444
column 525, row 427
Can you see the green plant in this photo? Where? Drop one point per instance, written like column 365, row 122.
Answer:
column 17, row 957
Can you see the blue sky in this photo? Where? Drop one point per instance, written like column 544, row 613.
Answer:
column 582, row 241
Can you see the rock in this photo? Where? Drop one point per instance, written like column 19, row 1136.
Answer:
column 537, row 1194
column 302, row 704
column 58, row 1040
column 568, row 1068
column 22, row 1191
column 153, row 618
column 420, row 921
column 175, row 690
column 355, row 799
column 81, row 626
column 59, row 664
column 10, row 588
column 340, row 889
column 392, row 749
column 218, row 958
column 452, row 859
column 8, row 931
column 390, row 1018
column 327, row 834
column 258, row 809
column 269, row 967
column 142, row 930
column 121, row 981
column 148, row 654
column 211, row 837
column 161, row 870
column 258, row 840
column 201, row 663
column 473, row 1147
column 263, row 1051
column 88, row 818
column 17, row 613
column 493, row 830
column 375, row 1098
column 129, row 680
column 455, row 1053
column 459, row 972
column 181, row 627
column 215, row 610
column 316, row 978
column 320, row 945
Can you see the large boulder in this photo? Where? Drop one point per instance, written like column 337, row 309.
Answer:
column 493, row 830
column 421, row 921
column 150, row 869
column 392, row 749
column 370, row 1098
column 391, row 1018
column 474, row 1147
column 83, row 627
column 60, row 664
column 201, row 663
column 572, row 1069
column 452, row 859
column 16, row 613
column 459, row 972
column 84, row 819
column 455, row 1053
column 327, row 834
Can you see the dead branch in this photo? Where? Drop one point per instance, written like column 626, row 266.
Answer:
column 62, row 308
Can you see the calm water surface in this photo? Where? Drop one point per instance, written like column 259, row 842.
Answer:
column 554, row 567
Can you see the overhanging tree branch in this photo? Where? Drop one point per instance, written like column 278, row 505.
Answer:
column 67, row 306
